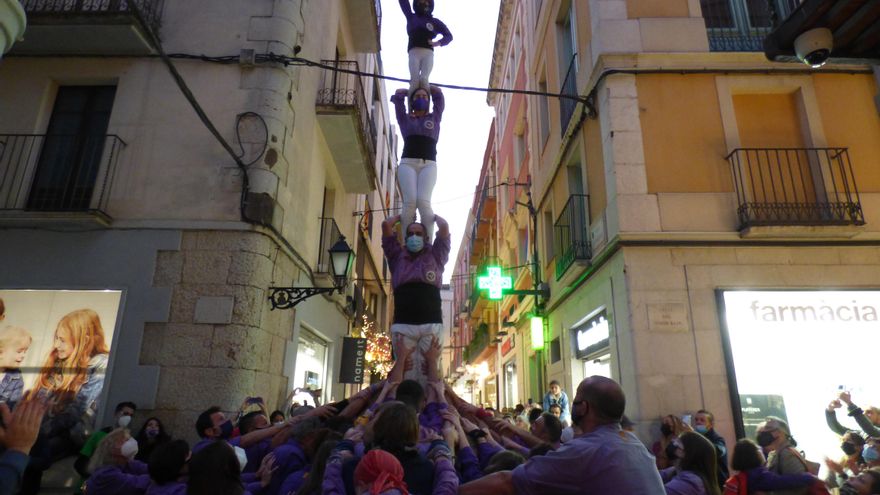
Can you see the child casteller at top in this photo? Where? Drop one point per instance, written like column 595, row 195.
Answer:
column 422, row 27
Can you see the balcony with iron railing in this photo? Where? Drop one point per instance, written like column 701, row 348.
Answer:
column 795, row 187
column 90, row 27
column 742, row 25
column 57, row 177
column 571, row 240
column 569, row 87
column 478, row 344
column 343, row 111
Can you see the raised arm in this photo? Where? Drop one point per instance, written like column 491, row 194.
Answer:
column 399, row 99
column 439, row 102
column 388, row 225
column 406, row 8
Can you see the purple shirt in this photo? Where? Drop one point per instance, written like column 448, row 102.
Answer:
column 606, row 460
column 682, row 482
column 422, row 29
column 173, row 488
column 130, row 479
column 425, row 267
column 427, row 125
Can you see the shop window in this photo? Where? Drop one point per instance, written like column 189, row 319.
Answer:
column 311, row 362
column 598, row 364
column 511, row 390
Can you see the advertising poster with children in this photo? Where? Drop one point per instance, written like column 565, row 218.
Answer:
column 56, row 344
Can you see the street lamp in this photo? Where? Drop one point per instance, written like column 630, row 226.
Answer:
column 341, row 258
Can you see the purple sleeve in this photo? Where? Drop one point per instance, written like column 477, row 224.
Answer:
column 667, row 474
column 399, row 110
column 253, row 487
column 439, row 103
column 766, row 480
column 442, row 29
column 406, row 8
column 136, row 467
column 333, row 484
column 392, row 250
column 445, row 478
column 470, row 466
column 440, row 249
column 485, row 451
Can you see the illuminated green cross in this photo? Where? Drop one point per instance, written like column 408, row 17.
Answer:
column 494, row 282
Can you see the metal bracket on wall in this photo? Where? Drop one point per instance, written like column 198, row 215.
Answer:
column 288, row 297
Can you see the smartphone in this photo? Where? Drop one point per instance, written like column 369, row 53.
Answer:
column 686, row 419
column 254, row 400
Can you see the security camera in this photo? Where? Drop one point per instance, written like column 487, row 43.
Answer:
column 814, row 47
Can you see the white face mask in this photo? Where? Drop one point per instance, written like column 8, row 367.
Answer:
column 242, row 457
column 124, row 421
column 129, row 449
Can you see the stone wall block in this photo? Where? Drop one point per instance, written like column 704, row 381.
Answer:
column 190, row 240
column 764, row 256
column 238, row 346
column 278, row 322
column 704, row 256
column 276, row 355
column 206, row 267
column 253, row 242
column 169, row 268
column 273, row 29
column 264, row 386
column 198, row 388
column 628, row 147
column 815, row 256
column 625, row 114
column 631, row 179
column 860, row 256
column 266, row 78
column 249, row 305
column 151, row 345
column 620, row 36
column 187, row 345
column 612, row 10
column 250, row 269
column 638, row 213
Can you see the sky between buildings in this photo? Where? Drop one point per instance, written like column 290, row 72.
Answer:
column 465, row 127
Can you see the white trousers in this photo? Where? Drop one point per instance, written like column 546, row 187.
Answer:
column 418, row 336
column 416, row 178
column 421, row 63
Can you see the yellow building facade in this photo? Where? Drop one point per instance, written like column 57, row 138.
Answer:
column 707, row 220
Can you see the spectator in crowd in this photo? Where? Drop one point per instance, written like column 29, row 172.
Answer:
column 704, row 424
column 866, row 483
column 696, row 472
column 868, row 420
column 671, row 427
column 555, row 395
column 752, row 476
column 852, row 444
column 151, row 435
column 775, row 438
column 114, row 469
column 604, row 460
column 168, row 468
column 18, row 432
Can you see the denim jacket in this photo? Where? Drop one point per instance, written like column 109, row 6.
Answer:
column 11, row 387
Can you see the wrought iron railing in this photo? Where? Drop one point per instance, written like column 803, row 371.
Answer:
column 571, row 240
column 151, row 10
column 57, row 173
column 344, row 90
column 329, row 235
column 795, row 186
column 742, row 25
column 569, row 87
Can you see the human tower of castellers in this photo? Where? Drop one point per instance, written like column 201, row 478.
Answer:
column 408, row 434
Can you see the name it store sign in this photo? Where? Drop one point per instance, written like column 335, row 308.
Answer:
column 792, row 351
column 592, row 335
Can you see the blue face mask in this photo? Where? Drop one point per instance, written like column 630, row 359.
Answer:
column 420, row 105
column 701, row 429
column 870, row 453
column 414, row 243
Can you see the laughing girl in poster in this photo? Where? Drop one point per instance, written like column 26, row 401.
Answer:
column 73, row 376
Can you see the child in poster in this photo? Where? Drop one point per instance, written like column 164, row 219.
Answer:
column 14, row 345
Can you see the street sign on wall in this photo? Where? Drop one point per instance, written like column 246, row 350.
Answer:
column 353, row 360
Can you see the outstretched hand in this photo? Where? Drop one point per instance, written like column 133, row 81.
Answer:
column 267, row 469
column 22, row 425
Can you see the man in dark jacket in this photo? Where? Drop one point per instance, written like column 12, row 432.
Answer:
column 704, row 423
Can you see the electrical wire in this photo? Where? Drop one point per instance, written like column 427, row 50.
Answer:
column 260, row 118
column 300, row 61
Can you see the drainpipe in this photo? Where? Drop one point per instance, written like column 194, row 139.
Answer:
column 877, row 78
column 12, row 24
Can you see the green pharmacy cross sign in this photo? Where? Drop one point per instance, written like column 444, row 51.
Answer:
column 494, row 282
